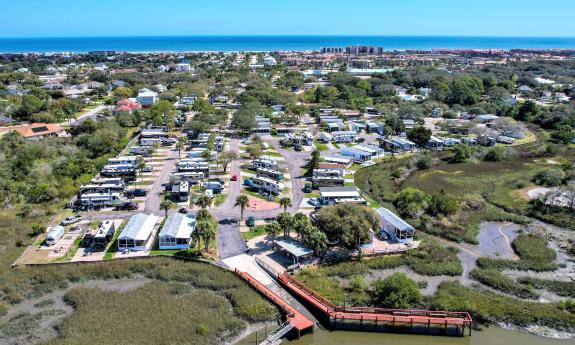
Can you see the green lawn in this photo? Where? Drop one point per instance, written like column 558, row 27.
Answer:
column 321, row 146
column 113, row 248
column 255, row 231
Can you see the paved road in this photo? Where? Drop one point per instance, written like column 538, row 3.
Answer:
column 89, row 114
column 155, row 195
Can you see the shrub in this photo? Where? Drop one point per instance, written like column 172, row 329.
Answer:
column 396, row 291
column 549, row 177
column 533, row 247
column 495, row 279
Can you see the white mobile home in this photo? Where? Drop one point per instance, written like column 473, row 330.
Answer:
column 395, row 227
column 344, row 136
column 325, row 137
column 137, row 234
column 359, row 156
column 177, row 232
column 192, row 177
column 334, row 195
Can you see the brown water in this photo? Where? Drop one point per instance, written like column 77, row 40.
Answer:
column 488, row 336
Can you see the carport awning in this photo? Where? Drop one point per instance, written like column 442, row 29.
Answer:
column 294, row 248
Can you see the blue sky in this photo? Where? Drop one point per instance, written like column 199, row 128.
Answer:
column 60, row 18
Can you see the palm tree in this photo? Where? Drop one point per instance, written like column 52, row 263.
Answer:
column 285, row 202
column 300, row 221
column 273, row 229
column 317, row 241
column 180, row 145
column 242, row 201
column 207, row 232
column 166, row 205
column 204, row 215
column 204, row 201
column 286, row 222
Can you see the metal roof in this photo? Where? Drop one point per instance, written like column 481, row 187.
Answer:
column 179, row 226
column 338, row 192
column 139, row 227
column 294, row 248
column 393, row 219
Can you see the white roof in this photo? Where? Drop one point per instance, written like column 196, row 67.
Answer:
column 179, row 226
column 335, row 192
column 139, row 227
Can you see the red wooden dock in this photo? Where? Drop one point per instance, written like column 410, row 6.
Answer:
column 408, row 317
column 299, row 321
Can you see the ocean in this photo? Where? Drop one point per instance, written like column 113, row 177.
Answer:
column 272, row 43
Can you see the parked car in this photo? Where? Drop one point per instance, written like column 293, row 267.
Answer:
column 248, row 182
column 136, row 193
column 298, row 148
column 183, row 210
column 127, row 206
column 168, row 142
column 234, row 178
column 251, row 221
column 70, row 220
column 382, row 235
column 307, row 188
column 360, row 140
column 313, row 201
column 147, row 169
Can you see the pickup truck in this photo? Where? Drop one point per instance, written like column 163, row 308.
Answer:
column 70, row 220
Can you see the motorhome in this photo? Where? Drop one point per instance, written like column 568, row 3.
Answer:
column 101, row 189
column 104, row 234
column 327, row 178
column 181, row 191
column 150, row 142
column 194, row 166
column 262, row 163
column 97, row 200
column 145, row 151
column 115, row 170
column 123, row 160
column 192, row 177
column 267, row 185
column 273, row 174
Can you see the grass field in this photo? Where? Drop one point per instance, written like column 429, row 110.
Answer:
column 181, row 290
column 258, row 230
column 496, row 190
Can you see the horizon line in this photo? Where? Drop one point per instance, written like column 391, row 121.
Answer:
column 284, row 35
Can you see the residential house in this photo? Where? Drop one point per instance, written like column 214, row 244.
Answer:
column 182, row 67
column 408, row 123
column 35, row 131
column 359, row 156
column 435, row 143
column 147, row 97
column 357, row 126
column 437, row 112
column 375, row 127
column 397, row 144
column 137, row 234
column 127, row 105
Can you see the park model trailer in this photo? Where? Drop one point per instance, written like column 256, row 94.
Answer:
column 104, row 234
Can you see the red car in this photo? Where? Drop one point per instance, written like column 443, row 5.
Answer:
column 234, row 178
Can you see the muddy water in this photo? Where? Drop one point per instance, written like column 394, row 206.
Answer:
column 488, row 336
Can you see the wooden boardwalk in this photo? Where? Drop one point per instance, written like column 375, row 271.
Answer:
column 299, row 321
column 381, row 316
